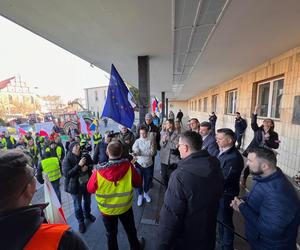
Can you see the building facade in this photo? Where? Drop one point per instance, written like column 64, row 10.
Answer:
column 17, row 99
column 275, row 87
column 95, row 99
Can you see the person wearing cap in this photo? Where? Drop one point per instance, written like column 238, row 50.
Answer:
column 51, row 149
column 23, row 226
column 77, row 174
column 240, row 126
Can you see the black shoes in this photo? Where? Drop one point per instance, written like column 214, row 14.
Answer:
column 142, row 243
column 82, row 227
column 91, row 218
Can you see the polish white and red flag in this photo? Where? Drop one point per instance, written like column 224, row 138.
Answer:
column 54, row 211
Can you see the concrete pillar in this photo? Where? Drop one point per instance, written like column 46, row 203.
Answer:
column 167, row 108
column 163, row 105
column 144, row 86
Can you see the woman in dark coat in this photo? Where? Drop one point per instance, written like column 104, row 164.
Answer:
column 264, row 136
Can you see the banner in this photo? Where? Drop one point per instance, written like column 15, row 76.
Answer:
column 44, row 126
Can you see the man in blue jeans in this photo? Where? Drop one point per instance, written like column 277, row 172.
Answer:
column 232, row 164
column 77, row 174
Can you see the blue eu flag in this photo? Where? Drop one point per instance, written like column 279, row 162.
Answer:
column 117, row 106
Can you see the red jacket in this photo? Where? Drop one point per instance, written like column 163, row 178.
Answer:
column 113, row 170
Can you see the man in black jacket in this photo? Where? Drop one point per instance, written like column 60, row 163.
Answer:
column 232, row 164
column 77, row 173
column 240, row 126
column 20, row 223
column 188, row 215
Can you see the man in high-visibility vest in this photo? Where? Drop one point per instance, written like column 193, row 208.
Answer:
column 97, row 137
column 60, row 150
column 113, row 185
column 33, row 152
column 8, row 141
column 21, row 224
column 51, row 166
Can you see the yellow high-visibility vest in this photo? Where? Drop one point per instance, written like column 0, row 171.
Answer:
column 59, row 152
column 114, row 198
column 51, row 167
column 97, row 138
column 4, row 141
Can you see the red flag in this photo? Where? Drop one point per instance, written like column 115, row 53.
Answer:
column 4, row 83
column 154, row 104
column 22, row 131
column 43, row 133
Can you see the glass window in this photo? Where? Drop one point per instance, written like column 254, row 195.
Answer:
column 231, row 98
column 269, row 96
column 214, row 100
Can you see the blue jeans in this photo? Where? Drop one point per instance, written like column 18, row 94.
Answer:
column 55, row 185
column 80, row 212
column 225, row 214
column 146, row 174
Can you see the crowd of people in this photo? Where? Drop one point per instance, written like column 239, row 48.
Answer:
column 200, row 166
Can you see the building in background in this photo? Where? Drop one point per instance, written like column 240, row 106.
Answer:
column 17, row 99
column 95, row 99
column 52, row 104
column 273, row 85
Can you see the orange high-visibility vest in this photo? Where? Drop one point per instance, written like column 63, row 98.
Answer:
column 47, row 237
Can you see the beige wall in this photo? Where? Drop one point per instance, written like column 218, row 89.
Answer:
column 286, row 65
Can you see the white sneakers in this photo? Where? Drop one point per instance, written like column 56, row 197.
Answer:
column 140, row 199
column 147, row 197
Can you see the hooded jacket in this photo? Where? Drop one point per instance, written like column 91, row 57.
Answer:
column 19, row 225
column 189, row 214
column 113, row 170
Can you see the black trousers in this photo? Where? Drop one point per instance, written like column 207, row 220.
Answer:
column 111, row 225
column 166, row 171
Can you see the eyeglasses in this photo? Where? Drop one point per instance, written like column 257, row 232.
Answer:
column 33, row 175
column 179, row 144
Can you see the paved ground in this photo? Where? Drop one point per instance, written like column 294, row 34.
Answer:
column 146, row 217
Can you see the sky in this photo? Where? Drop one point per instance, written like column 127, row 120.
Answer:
column 47, row 68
